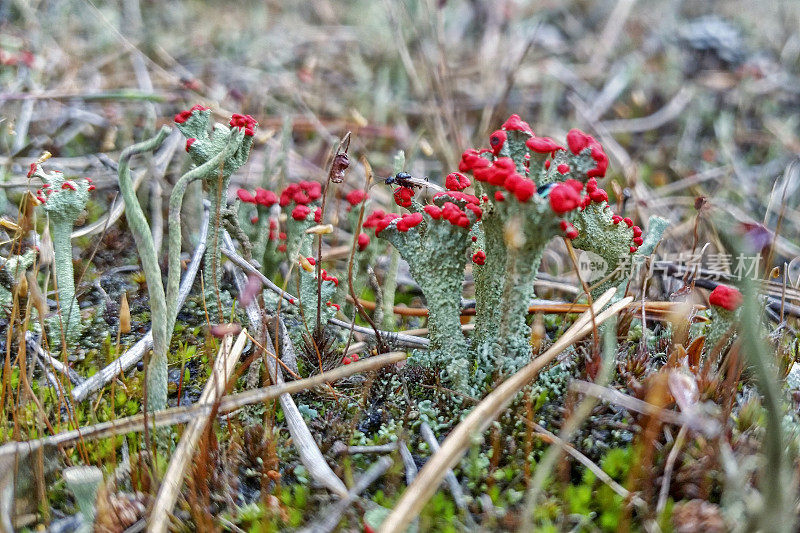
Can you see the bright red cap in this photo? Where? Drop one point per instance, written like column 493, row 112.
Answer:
column 564, row 198
column 300, row 212
column 524, row 190
column 245, row 196
column 726, row 297
column 265, row 197
column 543, row 145
column 403, row 196
column 577, row 141
column 363, row 241
column 433, row 211
column 355, row 197
column 456, row 181
column 497, row 140
column 514, row 123
column 409, row 221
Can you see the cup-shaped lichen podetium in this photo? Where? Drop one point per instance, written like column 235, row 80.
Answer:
column 434, row 243
column 234, row 141
column 64, row 201
column 531, row 190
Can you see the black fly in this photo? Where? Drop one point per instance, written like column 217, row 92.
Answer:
column 404, row 179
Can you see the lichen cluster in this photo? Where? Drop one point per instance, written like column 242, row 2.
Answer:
column 434, row 239
column 216, row 156
column 531, row 189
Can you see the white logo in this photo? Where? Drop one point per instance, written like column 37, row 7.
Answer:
column 591, row 266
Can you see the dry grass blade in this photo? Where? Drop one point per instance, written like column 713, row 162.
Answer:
column 215, row 387
column 453, row 448
column 307, row 448
column 179, row 415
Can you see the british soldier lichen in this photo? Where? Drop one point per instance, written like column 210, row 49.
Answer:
column 533, row 189
column 228, row 147
column 64, row 201
column 216, row 157
column 724, row 312
column 434, row 239
column 264, row 222
column 299, row 202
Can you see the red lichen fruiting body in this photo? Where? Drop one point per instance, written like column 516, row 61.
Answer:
column 300, row 212
column 363, row 241
column 726, row 297
column 564, row 198
column 514, row 123
column 265, row 197
column 403, row 196
column 543, row 145
column 497, row 140
column 245, row 196
column 456, row 181
column 355, row 197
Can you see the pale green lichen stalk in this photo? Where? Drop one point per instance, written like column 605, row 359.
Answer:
column 159, row 313
column 534, row 189
column 64, row 201
column 434, row 241
column 217, row 156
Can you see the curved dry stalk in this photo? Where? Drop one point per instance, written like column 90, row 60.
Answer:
column 310, row 454
column 227, row 357
column 456, row 444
